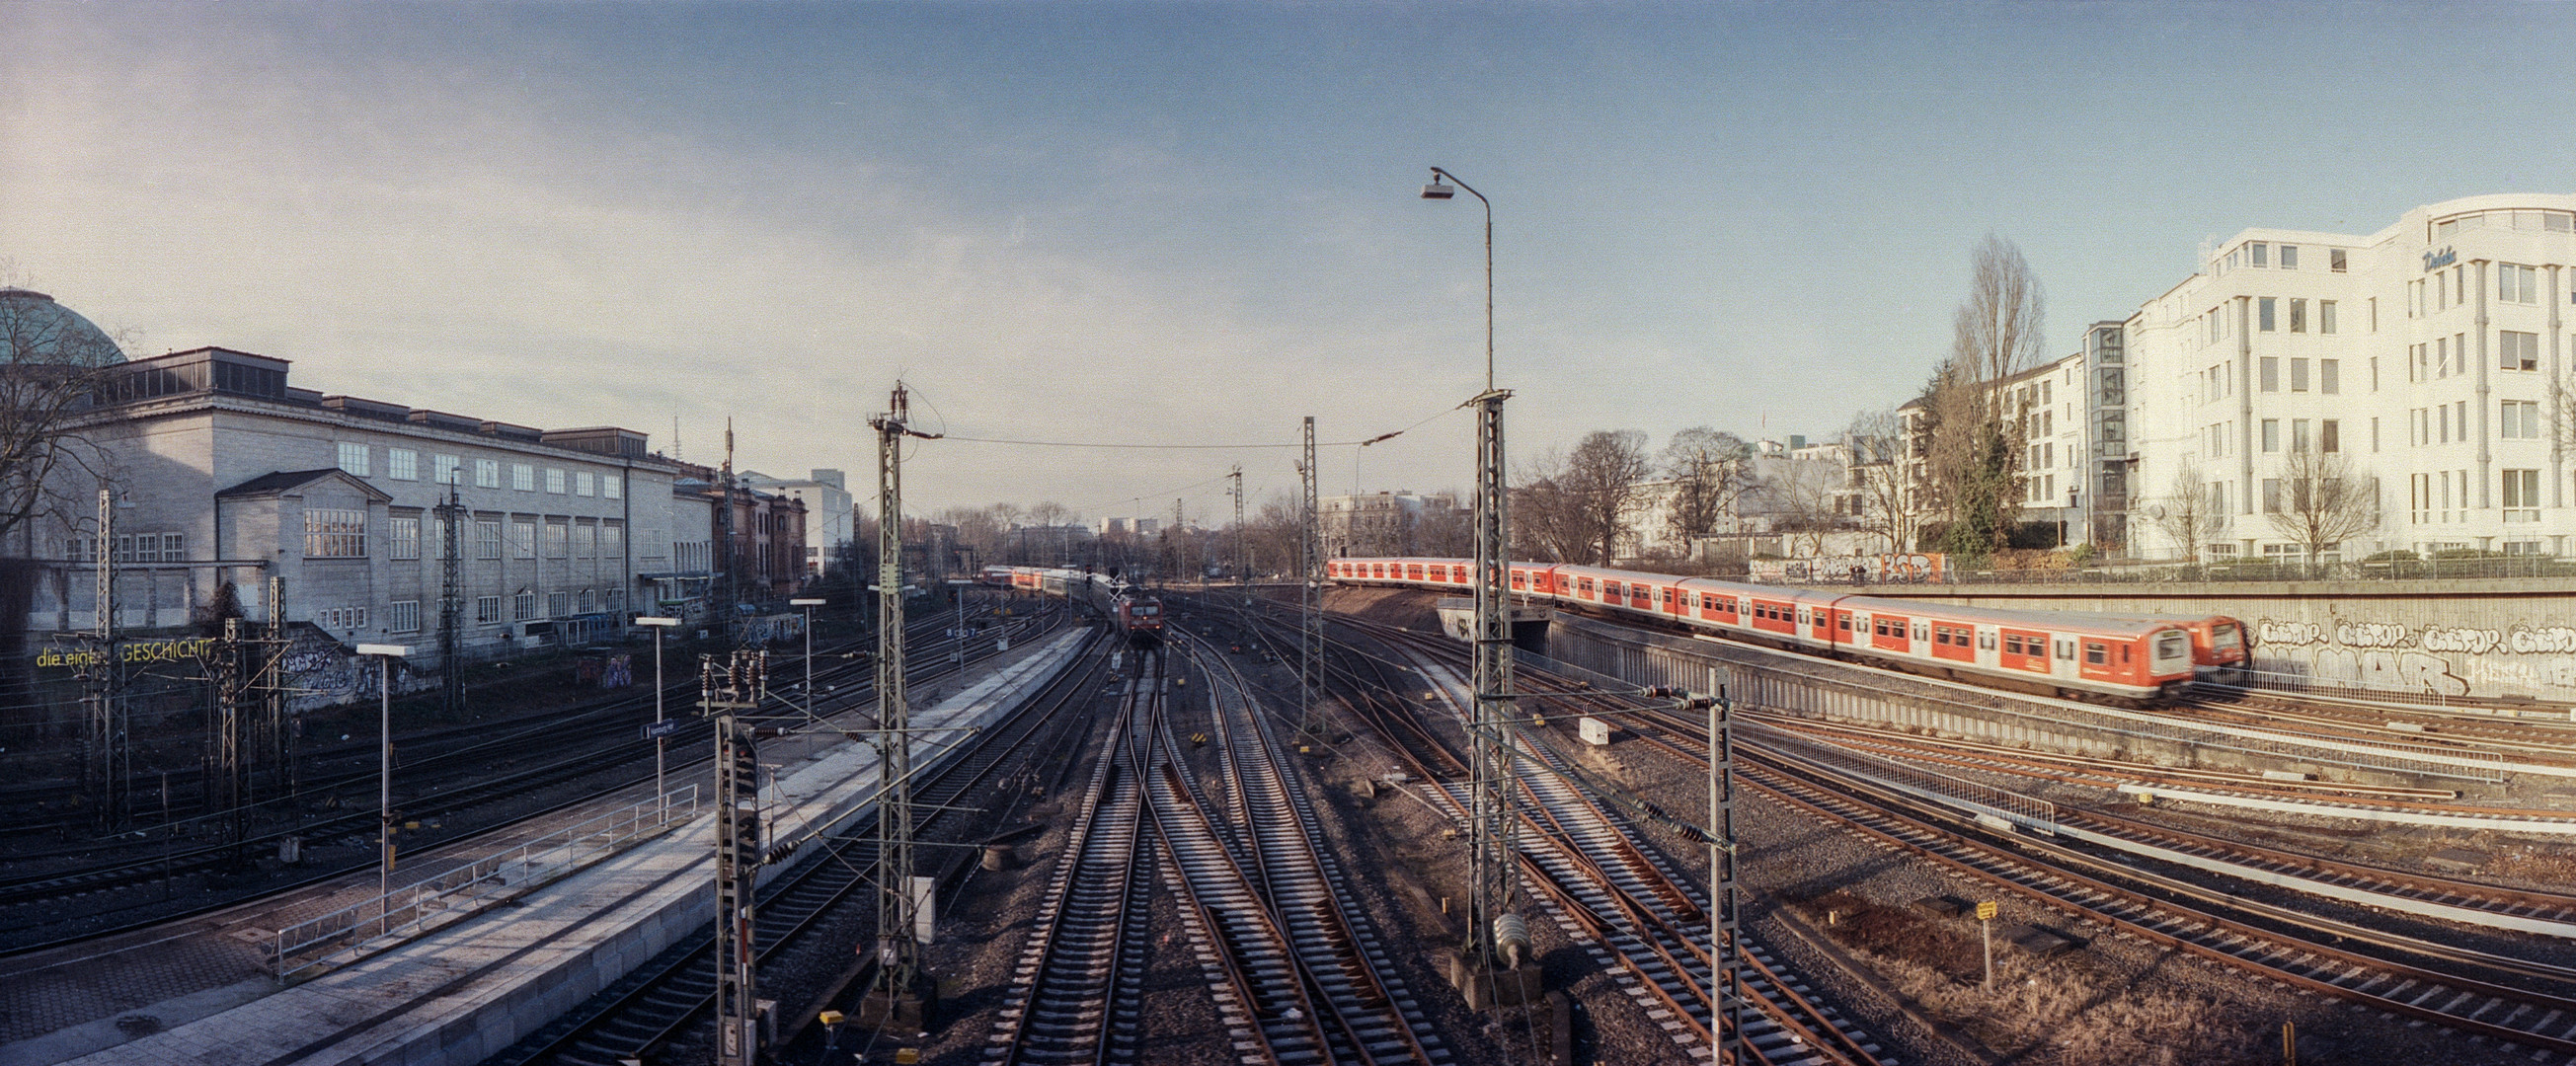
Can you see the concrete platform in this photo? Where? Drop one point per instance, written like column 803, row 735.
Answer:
column 465, row 992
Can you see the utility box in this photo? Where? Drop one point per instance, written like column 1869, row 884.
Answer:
column 1594, row 731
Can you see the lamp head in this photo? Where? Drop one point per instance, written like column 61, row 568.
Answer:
column 1438, row 191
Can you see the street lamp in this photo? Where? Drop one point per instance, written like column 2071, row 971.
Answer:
column 385, row 655
column 809, row 606
column 1438, row 191
column 661, row 800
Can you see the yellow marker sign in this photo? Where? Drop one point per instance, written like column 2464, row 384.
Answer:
column 1986, row 912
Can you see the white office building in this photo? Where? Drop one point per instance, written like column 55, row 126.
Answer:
column 2426, row 361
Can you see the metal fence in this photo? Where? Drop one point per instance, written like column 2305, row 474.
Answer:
column 2147, row 572
column 362, row 928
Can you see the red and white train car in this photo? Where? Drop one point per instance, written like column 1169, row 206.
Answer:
column 2128, row 658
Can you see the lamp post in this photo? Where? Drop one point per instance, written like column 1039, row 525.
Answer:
column 385, row 655
column 809, row 606
column 661, row 799
column 1436, row 190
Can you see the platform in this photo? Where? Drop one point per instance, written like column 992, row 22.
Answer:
column 462, row 993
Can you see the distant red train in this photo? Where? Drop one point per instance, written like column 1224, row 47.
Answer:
column 1136, row 614
column 2134, row 660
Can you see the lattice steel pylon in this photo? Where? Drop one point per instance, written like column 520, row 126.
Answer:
column 737, row 876
column 1496, row 782
column 1310, row 594
column 899, row 989
column 1242, row 562
column 451, row 605
column 108, row 765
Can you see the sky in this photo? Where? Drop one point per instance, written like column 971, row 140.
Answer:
column 1190, row 226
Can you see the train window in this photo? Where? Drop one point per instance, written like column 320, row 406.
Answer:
column 1986, row 641
column 2124, row 654
column 2096, row 654
column 1845, row 619
column 2066, row 650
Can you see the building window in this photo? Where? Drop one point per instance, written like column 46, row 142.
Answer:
column 523, row 540
column 406, row 538
column 2520, row 420
column 2330, row 436
column 523, row 607
column 523, row 477
column 353, row 458
column 2329, row 376
column 2517, row 284
column 2335, row 260
column 448, row 468
column 2298, row 315
column 2298, row 434
column 612, row 541
column 2517, row 351
column 589, row 600
column 558, row 540
column 582, row 482
column 332, row 533
column 612, row 487
column 2271, row 435
column 2298, row 375
column 2271, row 495
column 2264, row 314
column 2271, row 374
column 487, row 540
column 2289, row 257
column 2522, row 495
column 2325, row 316
column 2259, row 251
column 558, row 604
column 402, row 616
column 402, row 464
column 555, row 480
column 487, row 473
column 487, row 610
column 585, row 541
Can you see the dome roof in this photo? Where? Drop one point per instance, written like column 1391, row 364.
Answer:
column 35, row 329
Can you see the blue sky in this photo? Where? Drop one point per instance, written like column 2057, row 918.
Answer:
column 1171, row 224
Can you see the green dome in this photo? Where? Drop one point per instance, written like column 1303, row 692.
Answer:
column 38, row 330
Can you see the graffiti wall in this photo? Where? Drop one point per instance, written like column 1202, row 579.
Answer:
column 2536, row 660
column 1883, row 568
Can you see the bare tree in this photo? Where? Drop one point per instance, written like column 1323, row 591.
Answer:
column 1975, row 463
column 1800, row 496
column 2185, row 515
column 1874, row 447
column 1547, row 518
column 2320, row 502
column 1600, row 481
column 1710, row 469
column 56, row 368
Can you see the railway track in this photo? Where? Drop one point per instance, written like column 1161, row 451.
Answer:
column 670, row 999
column 1609, row 887
column 25, row 901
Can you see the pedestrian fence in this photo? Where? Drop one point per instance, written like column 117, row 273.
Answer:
column 363, row 928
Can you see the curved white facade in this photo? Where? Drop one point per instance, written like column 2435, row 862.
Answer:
column 2429, row 358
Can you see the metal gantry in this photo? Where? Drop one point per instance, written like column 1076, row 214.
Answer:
column 899, row 979
column 1310, row 584
column 109, row 762
column 451, row 602
column 1242, row 562
column 1495, row 783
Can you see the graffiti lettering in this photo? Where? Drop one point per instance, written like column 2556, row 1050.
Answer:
column 2371, row 635
column 2472, row 641
column 2393, row 671
column 2271, row 632
column 141, row 651
column 2543, row 640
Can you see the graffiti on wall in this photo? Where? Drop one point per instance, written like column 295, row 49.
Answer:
column 2444, row 660
column 1886, row 568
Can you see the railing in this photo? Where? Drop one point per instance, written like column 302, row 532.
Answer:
column 2144, row 572
column 361, row 929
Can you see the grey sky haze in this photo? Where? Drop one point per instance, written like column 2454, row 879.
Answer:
column 1166, row 223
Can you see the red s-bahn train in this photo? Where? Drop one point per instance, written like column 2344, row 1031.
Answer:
column 2132, row 660
column 1138, row 616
